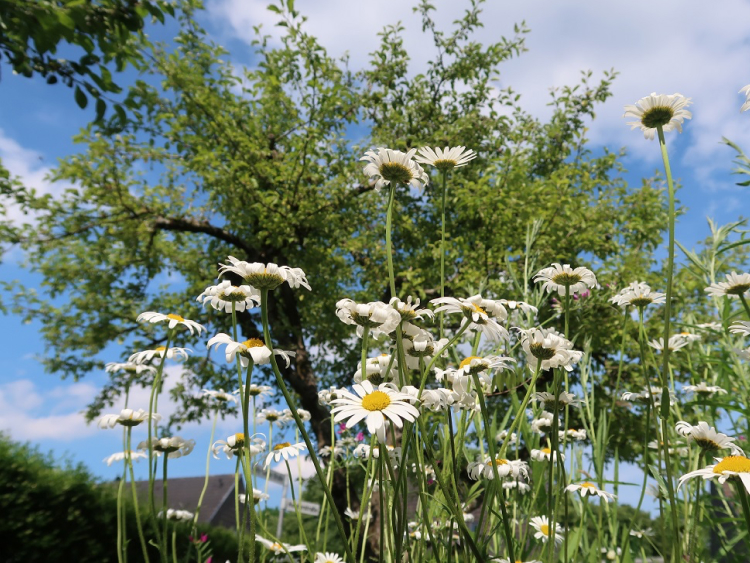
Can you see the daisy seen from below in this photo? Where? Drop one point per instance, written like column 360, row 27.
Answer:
column 234, row 443
column 541, row 525
column 745, row 90
column 505, row 468
column 547, row 400
column 740, row 327
column 703, row 388
column 251, row 349
column 639, row 295
column 272, row 416
column 257, row 496
column 735, row 286
column 518, row 306
column 374, row 406
column 127, row 417
column 445, row 159
column 675, row 342
column 327, row 558
column 182, row 515
column 590, row 489
column 662, row 110
column 409, row 309
column 388, row 166
column 284, row 451
column 129, row 367
column 174, row 447
column 222, row 296
column 277, row 547
column 707, row 437
column 174, row 320
column 257, row 390
column 265, row 276
column 545, row 454
column 220, row 395
column 732, row 466
column 549, row 347
column 159, row 352
column 378, row 369
column 375, row 316
column 573, row 434
column 560, row 278
column 483, row 314
column 119, row 456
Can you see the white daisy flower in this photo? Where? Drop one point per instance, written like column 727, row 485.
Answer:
column 477, row 365
column 182, row 515
column 257, row 496
column 483, row 314
column 409, row 309
column 736, row 285
column 234, row 443
column 547, row 400
column 639, row 295
column 251, row 349
column 502, row 560
column 541, row 525
column 174, row 320
column 419, row 344
column 745, row 90
column 611, row 554
column 643, row 396
column 376, row 316
column 174, row 447
column 543, row 421
column 501, row 436
column 277, row 547
column 285, row 451
column 120, row 456
column 704, row 389
column 160, row 352
column 707, row 437
column 731, row 466
column 505, row 468
column 690, row 337
column 388, row 166
column 129, row 367
column 337, row 451
column 363, row 451
column 573, row 434
column 265, row 276
column 447, row 158
column 518, row 306
column 377, row 370
column 518, row 485
column 257, row 390
column 667, row 111
column 545, row 454
column 740, row 327
column 272, row 416
column 327, row 558
column 435, row 400
column 221, row 297
column 325, row 396
column 640, row 533
column 590, row 489
column 127, row 417
column 354, row 514
column 549, row 346
column 559, row 277
column 676, row 342
column 680, row 450
column 220, row 395
column 373, row 406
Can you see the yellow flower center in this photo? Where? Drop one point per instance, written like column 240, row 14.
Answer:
column 276, row 547
column 253, row 343
column 395, row 172
column 478, row 309
column 546, row 451
column 281, row 446
column 443, row 164
column 467, row 361
column 588, row 485
column 566, row 279
column 376, row 401
column 160, row 348
column 174, row 317
column 544, row 528
column 734, row 463
column 657, row 115
column 239, row 440
column 498, row 462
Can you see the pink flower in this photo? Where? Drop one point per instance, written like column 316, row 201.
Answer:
column 360, row 436
column 204, row 538
column 342, row 427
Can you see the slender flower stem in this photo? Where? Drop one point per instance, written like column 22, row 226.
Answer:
column 129, row 459
column 745, row 305
column 521, row 409
column 164, row 506
column 740, row 486
column 388, row 246
column 442, row 248
column 205, row 481
column 667, row 329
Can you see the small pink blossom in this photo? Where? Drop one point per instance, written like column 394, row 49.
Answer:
column 360, row 436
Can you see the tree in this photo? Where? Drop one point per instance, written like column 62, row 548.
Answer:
column 261, row 167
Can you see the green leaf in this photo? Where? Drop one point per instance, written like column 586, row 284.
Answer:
column 81, row 98
column 101, row 108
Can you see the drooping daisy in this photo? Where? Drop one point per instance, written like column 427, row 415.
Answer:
column 640, row 533
column 277, row 547
column 265, row 276
column 272, row 416
column 505, row 468
column 174, row 447
column 736, row 285
column 547, row 400
column 543, row 421
column 573, row 434
column 129, row 367
column 545, row 454
column 707, row 437
column 373, row 406
column 284, row 451
column 667, row 111
column 483, row 314
column 590, row 489
column 560, row 277
column 251, row 349
column 740, row 327
column 643, row 396
column 671, row 450
column 181, row 515
column 221, row 297
column 550, row 347
column 160, row 352
column 542, row 527
column 376, row 316
column 234, row 444
column 327, row 558
column 639, row 295
column 378, row 370
column 420, row 345
column 518, row 485
column 119, row 456
column 220, row 395
column 127, row 417
column 388, row 166
column 501, row 436
column 704, row 389
column 257, row 496
column 447, row 158
column 354, row 514
column 174, row 320
column 732, row 466
column 476, row 364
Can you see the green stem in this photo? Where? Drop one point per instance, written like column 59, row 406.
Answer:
column 745, row 305
column 442, row 249
column 164, row 506
column 521, row 409
column 388, row 249
column 740, row 486
column 129, row 460
column 205, row 481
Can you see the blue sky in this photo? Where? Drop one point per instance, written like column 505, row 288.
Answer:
column 688, row 47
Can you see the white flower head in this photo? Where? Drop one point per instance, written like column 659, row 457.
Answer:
column 550, row 347
column 740, row 327
column 388, row 166
column 220, row 396
column 736, row 285
column 543, row 421
column 284, row 451
column 560, row 277
column 512, row 468
column 374, row 406
column 182, row 515
column 547, row 400
column 265, row 276
column 256, row 390
column 251, row 349
column 327, row 558
column 378, row 370
column 257, row 496
column 127, row 417
column 174, row 447
column 483, row 314
column 222, row 296
column 516, row 484
column 745, row 90
column 120, row 456
column 590, row 489
column 501, row 436
column 704, row 389
column 676, row 342
column 272, row 416
column 447, row 158
column 518, row 306
column 159, row 352
column 707, row 437
column 737, row 466
column 174, row 320
column 234, row 444
column 545, row 454
column 664, row 110
column 573, row 434
column 639, row 295
column 542, row 527
column 376, row 316
column 129, row 367
column 409, row 310
column 277, row 547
